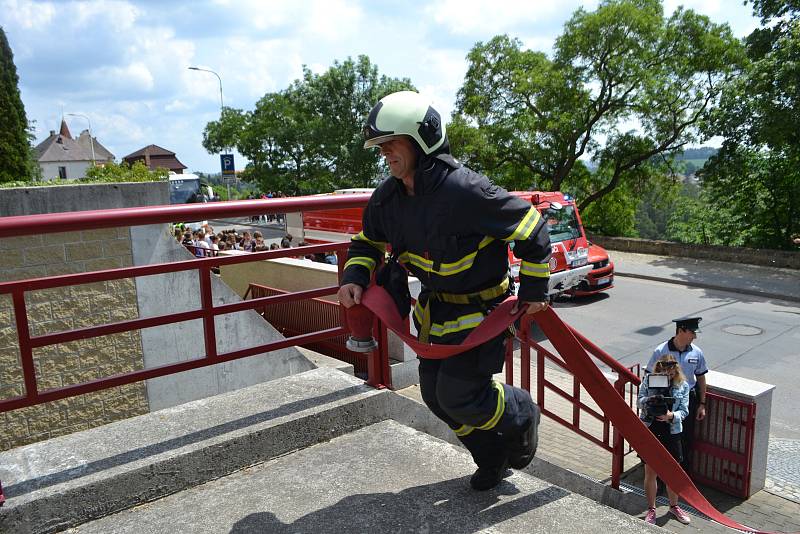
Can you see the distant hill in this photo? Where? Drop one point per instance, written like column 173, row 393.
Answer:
column 695, row 158
column 702, row 153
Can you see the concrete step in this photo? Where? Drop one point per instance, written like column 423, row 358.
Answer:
column 66, row 481
column 386, row 477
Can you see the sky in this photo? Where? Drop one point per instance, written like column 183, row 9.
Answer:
column 124, row 64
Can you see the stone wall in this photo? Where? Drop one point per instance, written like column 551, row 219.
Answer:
column 753, row 256
column 60, row 309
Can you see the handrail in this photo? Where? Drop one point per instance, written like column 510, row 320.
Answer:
column 49, row 282
column 606, row 358
column 20, row 225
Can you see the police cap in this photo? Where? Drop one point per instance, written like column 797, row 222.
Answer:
column 688, row 323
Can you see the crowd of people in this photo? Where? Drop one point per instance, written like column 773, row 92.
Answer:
column 269, row 217
column 204, row 242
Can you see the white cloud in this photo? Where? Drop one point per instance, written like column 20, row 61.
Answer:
column 470, row 17
column 124, row 62
column 330, row 20
column 27, row 15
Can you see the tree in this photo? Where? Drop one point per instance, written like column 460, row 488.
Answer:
column 307, row 138
column 15, row 151
column 527, row 119
column 123, row 172
column 756, row 174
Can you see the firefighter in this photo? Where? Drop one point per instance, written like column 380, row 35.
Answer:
column 451, row 228
column 693, row 364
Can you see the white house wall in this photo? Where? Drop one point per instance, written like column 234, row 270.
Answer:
column 75, row 169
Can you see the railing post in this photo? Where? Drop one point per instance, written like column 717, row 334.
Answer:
column 25, row 349
column 618, row 453
column 207, row 305
column 375, row 365
column 525, row 353
column 383, row 349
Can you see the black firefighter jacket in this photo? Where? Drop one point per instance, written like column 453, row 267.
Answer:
column 453, row 235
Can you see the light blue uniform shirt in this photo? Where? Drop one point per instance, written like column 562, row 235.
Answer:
column 691, row 360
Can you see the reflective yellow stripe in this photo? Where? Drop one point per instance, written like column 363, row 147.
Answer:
column 364, row 261
column 463, row 322
column 525, row 226
column 445, row 269
column 376, row 244
column 464, row 430
column 498, row 411
column 540, row 270
column 485, row 295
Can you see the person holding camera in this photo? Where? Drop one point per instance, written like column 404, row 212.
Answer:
column 693, row 364
column 664, row 404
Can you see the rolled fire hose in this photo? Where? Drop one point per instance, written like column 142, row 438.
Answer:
column 377, row 300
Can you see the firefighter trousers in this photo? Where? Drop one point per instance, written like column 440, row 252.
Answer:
column 484, row 414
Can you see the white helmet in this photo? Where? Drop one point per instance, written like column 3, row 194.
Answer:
column 405, row 113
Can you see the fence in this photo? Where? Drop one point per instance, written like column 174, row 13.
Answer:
column 722, row 454
column 626, row 384
column 377, row 365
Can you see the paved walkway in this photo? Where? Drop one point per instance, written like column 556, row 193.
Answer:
column 768, row 282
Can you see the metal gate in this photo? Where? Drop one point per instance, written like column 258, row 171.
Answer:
column 722, row 454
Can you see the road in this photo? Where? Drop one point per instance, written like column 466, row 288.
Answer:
column 741, row 335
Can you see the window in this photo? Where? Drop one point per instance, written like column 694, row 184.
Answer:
column 62, row 173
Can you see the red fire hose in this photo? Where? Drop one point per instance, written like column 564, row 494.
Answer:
column 589, row 375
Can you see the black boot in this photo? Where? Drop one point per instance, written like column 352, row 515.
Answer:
column 486, row 478
column 522, row 447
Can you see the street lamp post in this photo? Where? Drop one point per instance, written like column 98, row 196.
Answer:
column 91, row 141
column 221, row 107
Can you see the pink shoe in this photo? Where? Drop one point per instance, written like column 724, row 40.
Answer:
column 680, row 515
column 651, row 516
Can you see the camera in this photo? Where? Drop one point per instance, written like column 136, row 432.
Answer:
column 658, row 385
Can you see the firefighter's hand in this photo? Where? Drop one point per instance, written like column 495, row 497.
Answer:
column 350, row 295
column 533, row 307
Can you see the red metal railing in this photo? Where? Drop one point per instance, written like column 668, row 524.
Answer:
column 298, row 317
column 206, row 312
column 626, row 384
column 377, row 364
column 722, row 454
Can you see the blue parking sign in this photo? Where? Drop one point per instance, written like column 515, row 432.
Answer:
column 226, row 162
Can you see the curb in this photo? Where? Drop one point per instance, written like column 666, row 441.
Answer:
column 703, row 285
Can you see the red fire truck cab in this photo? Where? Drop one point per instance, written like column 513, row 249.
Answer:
column 577, row 267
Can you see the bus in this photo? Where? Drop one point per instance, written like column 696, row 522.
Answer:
column 187, row 188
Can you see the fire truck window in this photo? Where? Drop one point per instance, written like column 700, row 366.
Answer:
column 562, row 224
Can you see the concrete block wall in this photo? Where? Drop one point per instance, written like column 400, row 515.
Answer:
column 787, row 259
column 60, row 309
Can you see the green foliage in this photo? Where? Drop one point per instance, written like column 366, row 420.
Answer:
column 112, row 172
column 108, row 173
column 525, row 118
column 307, row 138
column 655, row 207
column 754, row 181
column 614, row 214
column 15, row 151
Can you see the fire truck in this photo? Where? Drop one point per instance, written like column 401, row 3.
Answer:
column 577, row 266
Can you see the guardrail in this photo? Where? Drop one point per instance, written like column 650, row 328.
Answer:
column 378, row 368
column 626, row 384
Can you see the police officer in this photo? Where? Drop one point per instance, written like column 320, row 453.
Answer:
column 693, row 364
column 451, row 228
